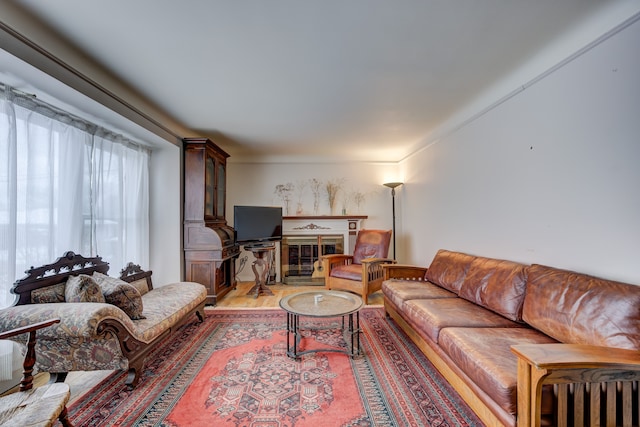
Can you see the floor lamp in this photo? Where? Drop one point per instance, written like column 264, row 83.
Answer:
column 392, row 186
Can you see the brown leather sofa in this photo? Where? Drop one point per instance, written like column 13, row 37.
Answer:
column 523, row 344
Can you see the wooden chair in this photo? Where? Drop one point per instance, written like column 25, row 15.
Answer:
column 593, row 386
column 361, row 272
column 30, row 406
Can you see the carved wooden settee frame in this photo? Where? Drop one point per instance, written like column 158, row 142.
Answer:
column 134, row 349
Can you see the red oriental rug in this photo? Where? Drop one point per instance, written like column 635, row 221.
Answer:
column 233, row 370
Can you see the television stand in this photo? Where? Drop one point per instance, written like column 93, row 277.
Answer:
column 263, row 261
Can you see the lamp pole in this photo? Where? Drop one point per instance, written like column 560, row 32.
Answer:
column 392, row 186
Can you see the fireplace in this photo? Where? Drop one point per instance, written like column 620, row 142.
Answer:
column 300, row 257
column 306, row 238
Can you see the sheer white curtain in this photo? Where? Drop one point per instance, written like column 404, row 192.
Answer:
column 66, row 184
column 120, row 206
column 8, row 196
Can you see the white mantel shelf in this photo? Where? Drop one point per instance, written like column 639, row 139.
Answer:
column 324, row 217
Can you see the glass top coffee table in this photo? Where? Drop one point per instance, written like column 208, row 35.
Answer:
column 323, row 303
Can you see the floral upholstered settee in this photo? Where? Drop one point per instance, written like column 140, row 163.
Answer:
column 106, row 323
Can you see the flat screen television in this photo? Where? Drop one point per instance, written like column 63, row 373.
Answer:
column 257, row 224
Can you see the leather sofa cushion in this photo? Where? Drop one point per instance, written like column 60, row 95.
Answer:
column 484, row 355
column 432, row 315
column 495, row 284
column 448, row 269
column 576, row 308
column 399, row 291
column 348, row 271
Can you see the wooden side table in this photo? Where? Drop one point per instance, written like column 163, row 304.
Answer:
column 261, row 267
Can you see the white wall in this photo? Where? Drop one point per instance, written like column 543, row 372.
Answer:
column 254, row 184
column 550, row 176
column 165, row 226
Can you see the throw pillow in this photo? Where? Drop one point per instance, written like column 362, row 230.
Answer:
column 82, row 288
column 53, row 293
column 141, row 285
column 121, row 294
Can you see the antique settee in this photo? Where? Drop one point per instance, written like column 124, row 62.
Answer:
column 110, row 331
column 524, row 345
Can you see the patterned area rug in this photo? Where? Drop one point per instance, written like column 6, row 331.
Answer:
column 232, row 370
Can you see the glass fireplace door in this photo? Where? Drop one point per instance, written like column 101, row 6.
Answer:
column 300, row 257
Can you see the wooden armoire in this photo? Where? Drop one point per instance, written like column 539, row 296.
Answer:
column 210, row 249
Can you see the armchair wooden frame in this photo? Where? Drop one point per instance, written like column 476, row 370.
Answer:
column 593, row 385
column 34, row 406
column 372, row 274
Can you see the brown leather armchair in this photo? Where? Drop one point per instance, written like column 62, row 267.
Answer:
column 361, row 272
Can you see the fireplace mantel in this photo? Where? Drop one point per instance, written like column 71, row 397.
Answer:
column 346, row 225
column 307, row 238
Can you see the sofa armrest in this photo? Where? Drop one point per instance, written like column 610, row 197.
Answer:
column 372, row 261
column 580, row 366
column 133, row 273
column 372, row 268
column 77, row 320
column 27, row 329
column 404, row 271
column 338, row 258
column 89, row 336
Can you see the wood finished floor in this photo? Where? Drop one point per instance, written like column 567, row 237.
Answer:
column 82, row 382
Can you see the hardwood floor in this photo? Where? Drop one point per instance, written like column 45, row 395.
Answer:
column 81, row 382
column 238, row 297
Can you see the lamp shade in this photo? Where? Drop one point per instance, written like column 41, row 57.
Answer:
column 392, row 184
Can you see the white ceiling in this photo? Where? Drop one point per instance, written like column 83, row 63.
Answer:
column 365, row 80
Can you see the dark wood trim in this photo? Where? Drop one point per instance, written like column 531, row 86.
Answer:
column 70, row 264
column 133, row 272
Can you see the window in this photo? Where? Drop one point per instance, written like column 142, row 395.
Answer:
column 66, row 184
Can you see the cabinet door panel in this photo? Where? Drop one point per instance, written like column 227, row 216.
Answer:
column 210, row 188
column 221, row 191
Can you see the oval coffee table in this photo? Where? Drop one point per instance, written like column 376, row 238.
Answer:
column 323, row 303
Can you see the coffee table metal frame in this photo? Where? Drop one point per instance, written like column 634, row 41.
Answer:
column 323, row 303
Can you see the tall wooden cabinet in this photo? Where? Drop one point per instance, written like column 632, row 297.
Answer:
column 210, row 248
